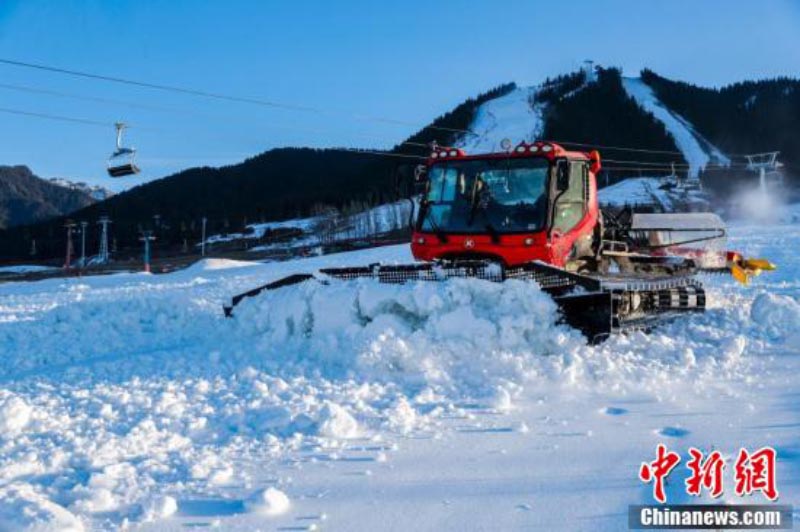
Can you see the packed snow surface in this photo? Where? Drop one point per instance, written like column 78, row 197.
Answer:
column 697, row 151
column 129, row 400
column 24, row 268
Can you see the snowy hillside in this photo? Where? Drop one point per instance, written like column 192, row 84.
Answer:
column 697, row 151
column 518, row 116
column 663, row 194
column 330, row 227
column 514, row 116
column 129, row 399
column 97, row 192
column 636, row 191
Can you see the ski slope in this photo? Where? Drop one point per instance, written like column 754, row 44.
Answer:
column 514, row 116
column 697, row 151
column 128, row 400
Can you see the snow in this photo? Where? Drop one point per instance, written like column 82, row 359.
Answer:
column 336, row 422
column 375, row 221
column 22, row 508
column 96, row 192
column 25, row 268
column 210, row 265
column 666, row 194
column 635, row 191
column 269, row 502
column 159, row 507
column 129, row 399
column 697, row 151
column 15, row 414
column 513, row 116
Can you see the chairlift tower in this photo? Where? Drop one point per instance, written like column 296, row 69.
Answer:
column 203, row 238
column 766, row 165
column 83, row 243
column 102, row 255
column 70, row 227
column 147, row 237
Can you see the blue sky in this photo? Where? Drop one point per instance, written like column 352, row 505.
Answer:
column 410, row 61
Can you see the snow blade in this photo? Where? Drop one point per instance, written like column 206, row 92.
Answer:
column 286, row 281
column 596, row 306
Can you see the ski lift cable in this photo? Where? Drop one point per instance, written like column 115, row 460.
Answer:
column 56, row 117
column 654, row 166
column 59, row 94
column 98, row 123
column 96, row 99
column 217, row 95
column 295, row 107
column 682, row 166
column 618, row 148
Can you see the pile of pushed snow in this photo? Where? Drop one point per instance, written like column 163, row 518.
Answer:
column 24, row 509
column 461, row 337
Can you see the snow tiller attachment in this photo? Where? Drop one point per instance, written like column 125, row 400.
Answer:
column 531, row 213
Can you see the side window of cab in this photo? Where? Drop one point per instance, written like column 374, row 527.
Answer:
column 571, row 206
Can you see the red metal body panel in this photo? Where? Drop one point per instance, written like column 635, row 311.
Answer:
column 514, row 249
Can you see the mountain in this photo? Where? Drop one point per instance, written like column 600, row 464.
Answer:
column 96, row 192
column 743, row 118
column 701, row 131
column 26, row 198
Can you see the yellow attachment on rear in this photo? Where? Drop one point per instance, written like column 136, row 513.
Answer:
column 743, row 269
column 758, row 264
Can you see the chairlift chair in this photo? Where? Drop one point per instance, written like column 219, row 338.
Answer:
column 123, row 161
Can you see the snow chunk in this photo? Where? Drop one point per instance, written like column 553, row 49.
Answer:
column 733, row 349
column 502, row 400
column 15, row 414
column 270, row 501
column 336, row 422
column 159, row 507
column 23, row 509
column 207, row 265
column 401, row 417
column 778, row 316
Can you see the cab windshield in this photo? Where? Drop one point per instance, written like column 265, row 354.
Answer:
column 501, row 195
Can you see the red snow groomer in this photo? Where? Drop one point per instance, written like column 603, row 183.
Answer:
column 531, row 213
